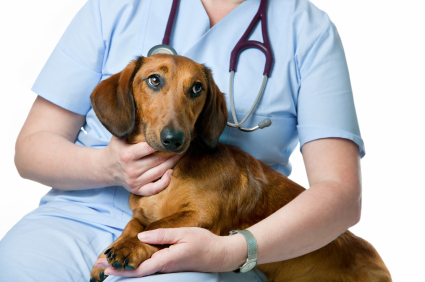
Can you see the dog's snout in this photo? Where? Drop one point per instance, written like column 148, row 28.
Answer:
column 172, row 139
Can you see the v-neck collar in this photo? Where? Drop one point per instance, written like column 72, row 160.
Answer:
column 228, row 15
column 192, row 25
column 243, row 13
column 225, row 18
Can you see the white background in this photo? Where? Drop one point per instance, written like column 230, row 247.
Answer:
column 384, row 42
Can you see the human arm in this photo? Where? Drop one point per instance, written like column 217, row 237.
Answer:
column 45, row 152
column 45, row 149
column 312, row 220
column 319, row 215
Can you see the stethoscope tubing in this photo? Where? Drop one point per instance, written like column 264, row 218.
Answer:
column 237, row 124
column 264, row 46
column 170, row 23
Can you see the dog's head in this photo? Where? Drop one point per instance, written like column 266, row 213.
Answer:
column 164, row 100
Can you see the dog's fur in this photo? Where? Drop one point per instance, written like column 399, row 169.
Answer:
column 214, row 186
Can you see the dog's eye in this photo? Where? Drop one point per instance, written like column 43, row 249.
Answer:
column 196, row 89
column 154, row 80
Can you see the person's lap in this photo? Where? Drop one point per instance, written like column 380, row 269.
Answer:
column 194, row 276
column 51, row 244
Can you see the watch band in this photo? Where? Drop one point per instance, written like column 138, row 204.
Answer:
column 251, row 261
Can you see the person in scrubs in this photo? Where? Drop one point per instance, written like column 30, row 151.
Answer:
column 62, row 144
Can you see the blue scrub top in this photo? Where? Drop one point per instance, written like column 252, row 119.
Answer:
column 308, row 96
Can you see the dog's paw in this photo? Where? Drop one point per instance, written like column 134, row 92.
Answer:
column 97, row 274
column 128, row 254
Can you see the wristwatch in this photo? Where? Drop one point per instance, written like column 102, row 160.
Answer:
column 251, row 261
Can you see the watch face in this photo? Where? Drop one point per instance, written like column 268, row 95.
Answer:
column 247, row 267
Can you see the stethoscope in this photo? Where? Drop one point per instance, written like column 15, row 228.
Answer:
column 242, row 44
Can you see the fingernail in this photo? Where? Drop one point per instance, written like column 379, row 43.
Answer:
column 143, row 236
column 171, row 172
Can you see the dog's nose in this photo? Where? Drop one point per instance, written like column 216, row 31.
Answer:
column 172, row 139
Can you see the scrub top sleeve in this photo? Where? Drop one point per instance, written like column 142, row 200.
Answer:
column 325, row 105
column 75, row 66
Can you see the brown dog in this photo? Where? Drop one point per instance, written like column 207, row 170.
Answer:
column 174, row 105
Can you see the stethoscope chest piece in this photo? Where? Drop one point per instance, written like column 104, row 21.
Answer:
column 162, row 49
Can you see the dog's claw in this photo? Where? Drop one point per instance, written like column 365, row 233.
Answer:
column 107, row 251
column 93, row 280
column 113, row 255
column 117, row 265
column 101, row 275
column 128, row 267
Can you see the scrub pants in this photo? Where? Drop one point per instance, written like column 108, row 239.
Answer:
column 59, row 241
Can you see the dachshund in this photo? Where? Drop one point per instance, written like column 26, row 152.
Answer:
column 174, row 105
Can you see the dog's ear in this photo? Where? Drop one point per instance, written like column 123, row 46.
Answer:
column 213, row 118
column 112, row 101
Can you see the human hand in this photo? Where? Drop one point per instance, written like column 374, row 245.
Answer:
column 192, row 249
column 134, row 167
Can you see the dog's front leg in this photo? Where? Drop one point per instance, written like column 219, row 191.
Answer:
column 129, row 252
column 180, row 219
